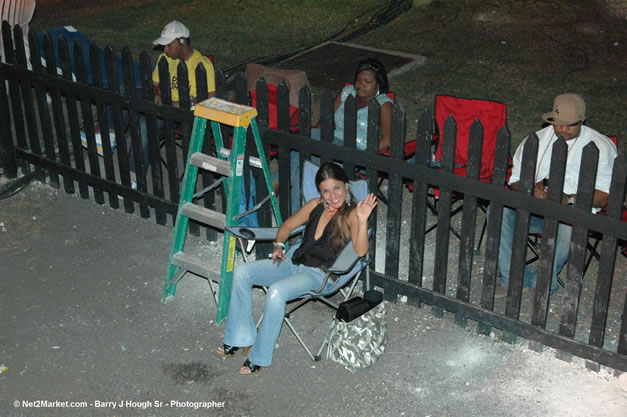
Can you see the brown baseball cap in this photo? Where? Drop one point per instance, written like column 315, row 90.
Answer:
column 567, row 109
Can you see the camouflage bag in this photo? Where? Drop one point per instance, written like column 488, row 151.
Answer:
column 359, row 343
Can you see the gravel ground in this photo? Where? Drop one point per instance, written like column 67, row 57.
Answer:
column 82, row 321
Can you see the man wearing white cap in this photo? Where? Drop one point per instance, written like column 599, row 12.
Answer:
column 176, row 46
column 565, row 121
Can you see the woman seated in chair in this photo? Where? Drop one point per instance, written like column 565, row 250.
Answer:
column 332, row 221
column 370, row 83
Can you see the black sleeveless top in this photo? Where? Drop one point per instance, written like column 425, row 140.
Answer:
column 316, row 253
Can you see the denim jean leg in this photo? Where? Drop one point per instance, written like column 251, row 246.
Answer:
column 536, row 225
column 505, row 247
column 240, row 326
column 303, row 280
column 562, row 248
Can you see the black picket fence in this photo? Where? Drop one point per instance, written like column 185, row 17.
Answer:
column 44, row 115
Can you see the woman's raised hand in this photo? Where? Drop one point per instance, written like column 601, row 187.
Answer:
column 364, row 208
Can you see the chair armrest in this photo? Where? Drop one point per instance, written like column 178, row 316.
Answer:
column 345, row 260
column 263, row 234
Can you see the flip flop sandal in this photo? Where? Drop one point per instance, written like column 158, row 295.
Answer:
column 229, row 351
column 254, row 369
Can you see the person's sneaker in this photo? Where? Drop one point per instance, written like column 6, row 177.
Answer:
column 501, row 292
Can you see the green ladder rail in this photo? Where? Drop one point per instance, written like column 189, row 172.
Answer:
column 240, row 117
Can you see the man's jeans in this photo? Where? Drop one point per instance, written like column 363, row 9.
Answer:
column 286, row 282
column 536, row 225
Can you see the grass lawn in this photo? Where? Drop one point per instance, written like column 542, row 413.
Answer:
column 521, row 53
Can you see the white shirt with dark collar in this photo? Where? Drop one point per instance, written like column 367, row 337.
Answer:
column 547, row 136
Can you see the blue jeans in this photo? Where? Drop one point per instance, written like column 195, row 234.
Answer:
column 536, row 225
column 286, row 282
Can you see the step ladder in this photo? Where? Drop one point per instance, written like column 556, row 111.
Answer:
column 240, row 117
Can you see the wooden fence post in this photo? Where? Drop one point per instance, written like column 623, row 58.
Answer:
column 419, row 204
column 444, row 212
column 7, row 150
column 469, row 218
column 103, row 123
column 87, row 120
column 395, row 193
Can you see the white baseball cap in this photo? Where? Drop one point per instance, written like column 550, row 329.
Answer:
column 171, row 31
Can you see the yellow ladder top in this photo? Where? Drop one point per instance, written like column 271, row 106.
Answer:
column 225, row 112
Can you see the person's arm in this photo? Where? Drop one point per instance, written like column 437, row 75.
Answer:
column 155, row 81
column 386, row 125
column 291, row 223
column 599, row 199
column 157, row 91
column 336, row 105
column 539, row 190
column 211, row 80
column 359, row 224
column 337, row 102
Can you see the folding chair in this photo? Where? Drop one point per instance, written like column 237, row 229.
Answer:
column 272, row 109
column 343, row 274
column 492, row 115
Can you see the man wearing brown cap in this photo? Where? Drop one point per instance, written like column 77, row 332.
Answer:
column 565, row 121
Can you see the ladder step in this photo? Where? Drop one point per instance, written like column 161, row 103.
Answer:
column 254, row 161
column 211, row 163
column 195, row 265
column 203, row 215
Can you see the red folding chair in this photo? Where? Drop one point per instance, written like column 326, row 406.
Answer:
column 492, row 115
column 272, row 108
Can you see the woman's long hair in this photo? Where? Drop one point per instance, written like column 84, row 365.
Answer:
column 380, row 75
column 340, row 224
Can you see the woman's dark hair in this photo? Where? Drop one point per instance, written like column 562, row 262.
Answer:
column 380, row 75
column 340, row 224
column 330, row 170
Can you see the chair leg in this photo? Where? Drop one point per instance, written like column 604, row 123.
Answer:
column 536, row 256
column 535, row 251
column 483, row 208
column 434, row 210
column 592, row 249
column 483, row 229
column 324, row 343
column 291, row 327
